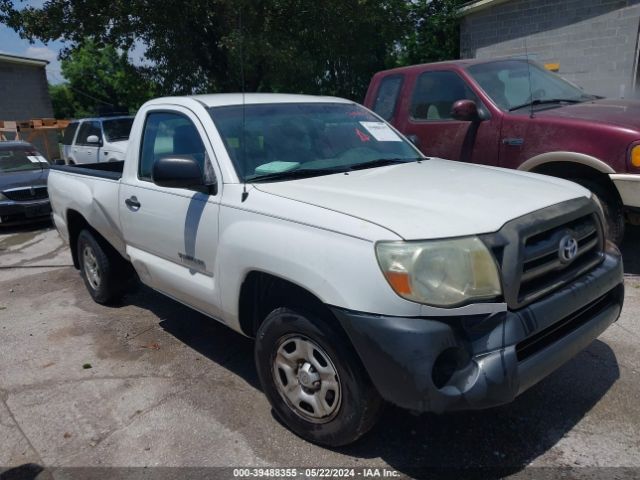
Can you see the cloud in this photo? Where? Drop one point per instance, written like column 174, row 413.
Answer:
column 45, row 53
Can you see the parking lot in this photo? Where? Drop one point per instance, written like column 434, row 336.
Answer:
column 153, row 383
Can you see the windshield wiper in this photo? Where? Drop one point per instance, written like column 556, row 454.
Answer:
column 294, row 174
column 546, row 102
column 314, row 172
column 381, row 162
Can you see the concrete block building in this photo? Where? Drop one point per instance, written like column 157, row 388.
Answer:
column 24, row 91
column 593, row 43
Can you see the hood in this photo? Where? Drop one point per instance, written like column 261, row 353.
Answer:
column 432, row 199
column 26, row 178
column 623, row 113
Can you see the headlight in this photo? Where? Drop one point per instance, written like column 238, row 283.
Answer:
column 2, row 197
column 442, row 273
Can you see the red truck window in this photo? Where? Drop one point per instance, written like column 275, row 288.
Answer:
column 387, row 97
column 435, row 93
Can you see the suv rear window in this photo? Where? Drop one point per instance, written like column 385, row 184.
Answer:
column 387, row 97
column 69, row 133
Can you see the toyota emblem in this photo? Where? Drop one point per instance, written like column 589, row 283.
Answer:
column 568, row 248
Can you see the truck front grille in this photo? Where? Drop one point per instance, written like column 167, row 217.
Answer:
column 529, row 254
column 542, row 268
column 26, row 194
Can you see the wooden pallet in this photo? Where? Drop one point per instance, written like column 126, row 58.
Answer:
column 30, row 130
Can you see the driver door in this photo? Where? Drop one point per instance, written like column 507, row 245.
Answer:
column 439, row 134
column 172, row 233
column 85, row 151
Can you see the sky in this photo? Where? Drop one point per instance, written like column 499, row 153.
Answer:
column 11, row 43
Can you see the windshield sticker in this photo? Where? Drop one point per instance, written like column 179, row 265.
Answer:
column 381, row 131
column 362, row 136
column 37, row 159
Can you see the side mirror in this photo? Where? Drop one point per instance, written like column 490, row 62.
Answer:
column 93, row 139
column 465, row 111
column 59, row 161
column 177, row 172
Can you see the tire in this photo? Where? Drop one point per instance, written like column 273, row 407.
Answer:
column 351, row 404
column 105, row 275
column 611, row 206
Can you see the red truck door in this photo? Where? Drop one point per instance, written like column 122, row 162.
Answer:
column 425, row 112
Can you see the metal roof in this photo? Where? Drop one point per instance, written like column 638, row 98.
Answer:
column 473, row 7
column 5, row 57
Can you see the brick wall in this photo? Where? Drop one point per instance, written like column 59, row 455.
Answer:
column 24, row 95
column 594, row 41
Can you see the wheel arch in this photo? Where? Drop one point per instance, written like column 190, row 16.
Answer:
column 570, row 165
column 75, row 224
column 262, row 292
column 535, row 163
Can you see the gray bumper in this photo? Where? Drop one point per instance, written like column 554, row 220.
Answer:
column 19, row 212
column 460, row 363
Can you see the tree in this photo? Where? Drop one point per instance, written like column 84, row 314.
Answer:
column 434, row 35
column 62, row 101
column 98, row 78
column 327, row 46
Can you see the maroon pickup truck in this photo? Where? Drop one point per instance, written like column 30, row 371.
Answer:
column 513, row 113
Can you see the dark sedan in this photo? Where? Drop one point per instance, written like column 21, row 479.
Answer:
column 23, row 184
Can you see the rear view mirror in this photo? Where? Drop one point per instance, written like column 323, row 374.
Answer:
column 465, row 110
column 93, row 139
column 177, row 172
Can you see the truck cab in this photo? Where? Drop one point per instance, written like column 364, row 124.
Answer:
column 514, row 113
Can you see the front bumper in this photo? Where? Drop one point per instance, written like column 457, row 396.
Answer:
column 628, row 186
column 460, row 363
column 12, row 213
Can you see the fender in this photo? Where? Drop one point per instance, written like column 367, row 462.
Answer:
column 338, row 269
column 569, row 157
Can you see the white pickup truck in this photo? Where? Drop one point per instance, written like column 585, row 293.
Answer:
column 365, row 272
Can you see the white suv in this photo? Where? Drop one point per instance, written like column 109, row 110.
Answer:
column 93, row 140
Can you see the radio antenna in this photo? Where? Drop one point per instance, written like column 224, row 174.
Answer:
column 245, row 194
column 526, row 53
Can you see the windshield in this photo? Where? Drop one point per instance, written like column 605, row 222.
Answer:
column 311, row 138
column 507, row 83
column 16, row 159
column 117, row 129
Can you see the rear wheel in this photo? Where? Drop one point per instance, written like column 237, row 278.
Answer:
column 313, row 379
column 611, row 206
column 105, row 275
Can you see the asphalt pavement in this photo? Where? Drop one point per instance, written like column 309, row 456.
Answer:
column 151, row 383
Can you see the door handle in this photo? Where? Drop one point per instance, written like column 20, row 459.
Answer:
column 132, row 203
column 514, row 142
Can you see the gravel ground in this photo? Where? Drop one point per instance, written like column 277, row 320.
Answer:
column 151, row 383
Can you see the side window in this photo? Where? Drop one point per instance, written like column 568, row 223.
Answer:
column 86, row 130
column 69, row 132
column 435, row 93
column 167, row 134
column 387, row 97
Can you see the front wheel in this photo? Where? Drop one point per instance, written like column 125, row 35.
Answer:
column 611, row 206
column 313, row 379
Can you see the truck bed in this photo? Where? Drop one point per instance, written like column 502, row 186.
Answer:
column 109, row 170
